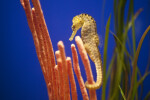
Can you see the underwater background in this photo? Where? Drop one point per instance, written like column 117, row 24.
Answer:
column 21, row 76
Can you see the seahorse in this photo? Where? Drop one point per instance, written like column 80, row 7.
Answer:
column 90, row 40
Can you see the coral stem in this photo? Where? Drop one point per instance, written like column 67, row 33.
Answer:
column 71, row 78
column 87, row 66
column 78, row 73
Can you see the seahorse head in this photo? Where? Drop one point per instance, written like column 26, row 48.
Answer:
column 77, row 24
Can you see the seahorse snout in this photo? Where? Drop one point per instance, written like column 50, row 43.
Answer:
column 72, row 36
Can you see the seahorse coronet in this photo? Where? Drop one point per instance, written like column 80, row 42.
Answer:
column 90, row 40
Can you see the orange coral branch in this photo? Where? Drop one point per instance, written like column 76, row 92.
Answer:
column 38, row 41
column 27, row 8
column 78, row 73
column 44, row 29
column 47, row 40
column 57, row 82
column 85, row 59
column 87, row 66
column 71, row 78
column 64, row 64
column 41, row 46
column 61, row 75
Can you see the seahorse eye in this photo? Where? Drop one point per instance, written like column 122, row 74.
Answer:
column 73, row 27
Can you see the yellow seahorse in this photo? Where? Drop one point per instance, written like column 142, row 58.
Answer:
column 91, row 41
